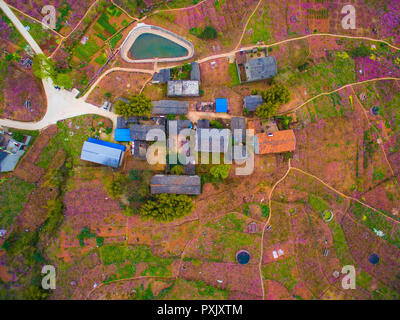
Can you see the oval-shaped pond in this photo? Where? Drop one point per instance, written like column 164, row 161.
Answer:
column 149, row 46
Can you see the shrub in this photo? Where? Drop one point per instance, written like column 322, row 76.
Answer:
column 220, row 171
column 209, row 33
column 167, row 207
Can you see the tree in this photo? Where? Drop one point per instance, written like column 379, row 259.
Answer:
column 277, row 94
column 43, row 67
column 267, row 110
column 167, row 207
column 209, row 33
column 117, row 186
column 138, row 105
column 220, row 171
column 63, row 80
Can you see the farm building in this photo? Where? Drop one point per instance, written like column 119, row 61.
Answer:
column 221, row 105
column 251, row 103
column 140, row 131
column 195, row 72
column 123, row 123
column 102, row 152
column 260, row 68
column 170, row 107
column 277, row 142
column 173, row 184
column 163, row 76
column 183, row 88
column 212, row 140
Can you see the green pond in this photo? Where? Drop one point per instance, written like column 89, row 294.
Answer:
column 148, row 46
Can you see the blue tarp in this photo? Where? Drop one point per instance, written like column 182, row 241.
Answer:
column 107, row 144
column 123, row 135
column 221, row 105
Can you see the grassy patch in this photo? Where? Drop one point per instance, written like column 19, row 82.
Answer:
column 283, row 271
column 233, row 74
column 13, row 196
column 126, row 258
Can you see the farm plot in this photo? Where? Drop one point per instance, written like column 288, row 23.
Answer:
column 14, row 193
column 24, row 98
column 220, row 241
column 92, row 44
column 26, row 169
column 117, row 84
column 139, row 289
column 239, row 280
column 122, row 262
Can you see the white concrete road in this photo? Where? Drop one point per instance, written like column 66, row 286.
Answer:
column 61, row 104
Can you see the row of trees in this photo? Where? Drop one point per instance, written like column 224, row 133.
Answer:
column 273, row 97
column 137, row 105
column 44, row 68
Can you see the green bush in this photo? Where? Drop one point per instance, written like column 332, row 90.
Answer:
column 167, row 207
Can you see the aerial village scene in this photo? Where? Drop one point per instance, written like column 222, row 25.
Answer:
column 200, row 150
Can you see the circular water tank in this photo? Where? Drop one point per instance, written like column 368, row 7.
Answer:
column 373, row 258
column 243, row 257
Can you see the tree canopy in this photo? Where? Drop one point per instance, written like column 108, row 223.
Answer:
column 267, row 110
column 44, row 68
column 220, row 171
column 167, row 207
column 276, row 94
column 138, row 105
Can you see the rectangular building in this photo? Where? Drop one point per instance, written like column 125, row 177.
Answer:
column 183, row 88
column 101, row 154
column 170, row 107
column 173, row 184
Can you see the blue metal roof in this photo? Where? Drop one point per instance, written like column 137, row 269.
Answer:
column 107, row 144
column 101, row 154
column 123, row 135
column 221, row 105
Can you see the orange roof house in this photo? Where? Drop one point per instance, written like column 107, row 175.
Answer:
column 277, row 142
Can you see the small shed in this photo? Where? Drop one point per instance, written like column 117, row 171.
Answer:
column 221, row 105
column 108, row 155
